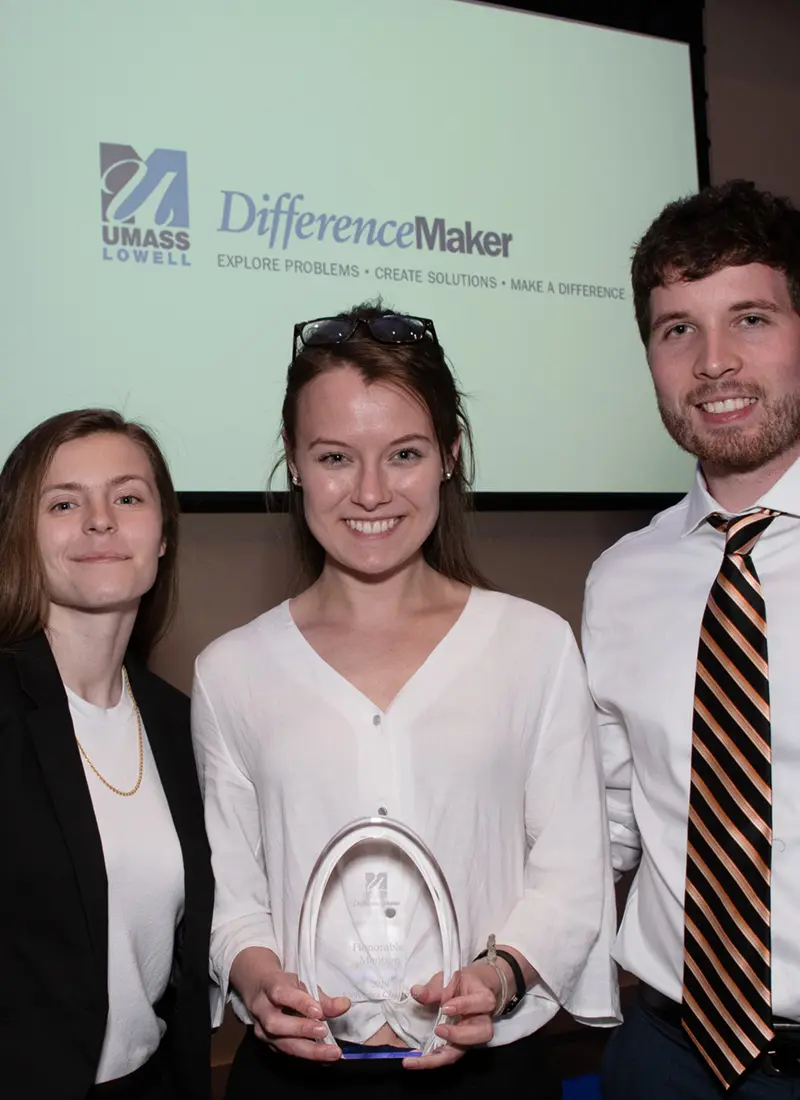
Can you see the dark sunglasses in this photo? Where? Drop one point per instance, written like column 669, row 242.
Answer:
column 391, row 328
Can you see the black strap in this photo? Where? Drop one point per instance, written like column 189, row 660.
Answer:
column 519, row 982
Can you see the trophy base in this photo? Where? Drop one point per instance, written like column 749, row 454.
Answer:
column 353, row 1051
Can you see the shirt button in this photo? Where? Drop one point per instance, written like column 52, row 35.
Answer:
column 779, row 844
column 376, row 719
column 382, row 811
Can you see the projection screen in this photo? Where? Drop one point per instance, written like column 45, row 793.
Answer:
column 185, row 181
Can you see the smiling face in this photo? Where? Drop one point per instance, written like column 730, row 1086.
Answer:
column 370, row 468
column 724, row 353
column 99, row 524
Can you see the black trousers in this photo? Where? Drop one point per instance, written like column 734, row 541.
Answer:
column 519, row 1068
column 649, row 1058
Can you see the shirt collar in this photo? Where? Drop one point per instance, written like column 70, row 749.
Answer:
column 784, row 496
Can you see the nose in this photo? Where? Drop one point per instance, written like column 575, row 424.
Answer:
column 99, row 517
column 718, row 355
column 371, row 487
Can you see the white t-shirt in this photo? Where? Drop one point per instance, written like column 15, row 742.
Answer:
column 144, row 866
column 488, row 753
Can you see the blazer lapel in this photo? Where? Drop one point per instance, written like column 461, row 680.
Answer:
column 53, row 737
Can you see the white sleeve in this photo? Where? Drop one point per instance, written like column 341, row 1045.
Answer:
column 615, row 753
column 242, row 916
column 565, row 922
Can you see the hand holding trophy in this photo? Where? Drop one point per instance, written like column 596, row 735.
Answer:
column 284, row 1014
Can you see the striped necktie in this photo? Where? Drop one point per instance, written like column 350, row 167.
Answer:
column 727, row 1010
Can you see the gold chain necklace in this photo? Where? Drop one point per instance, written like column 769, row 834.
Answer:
column 84, row 754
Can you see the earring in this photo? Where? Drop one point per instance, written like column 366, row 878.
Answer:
column 448, row 475
column 295, row 480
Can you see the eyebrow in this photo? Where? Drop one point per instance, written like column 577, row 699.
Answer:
column 76, row 487
column 736, row 307
column 755, row 303
column 666, row 318
column 395, row 442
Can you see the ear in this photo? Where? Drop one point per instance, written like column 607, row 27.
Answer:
column 162, row 548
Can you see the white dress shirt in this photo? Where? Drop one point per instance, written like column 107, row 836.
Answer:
column 144, row 868
column 645, row 599
column 488, row 752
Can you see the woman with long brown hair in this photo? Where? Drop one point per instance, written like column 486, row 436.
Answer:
column 398, row 685
column 107, row 894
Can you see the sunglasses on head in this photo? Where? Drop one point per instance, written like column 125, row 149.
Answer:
column 389, row 328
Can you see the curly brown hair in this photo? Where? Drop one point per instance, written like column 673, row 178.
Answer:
column 728, row 225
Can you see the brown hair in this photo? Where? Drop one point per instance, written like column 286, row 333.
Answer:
column 23, row 588
column 421, row 371
column 724, row 226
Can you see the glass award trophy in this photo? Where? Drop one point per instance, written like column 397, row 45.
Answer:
column 394, row 835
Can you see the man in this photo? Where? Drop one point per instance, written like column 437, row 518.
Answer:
column 692, row 641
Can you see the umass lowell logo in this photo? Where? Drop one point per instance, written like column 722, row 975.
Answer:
column 145, row 206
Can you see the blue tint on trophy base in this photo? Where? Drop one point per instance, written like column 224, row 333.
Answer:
column 377, row 1052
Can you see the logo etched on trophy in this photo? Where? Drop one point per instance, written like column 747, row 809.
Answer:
column 374, row 960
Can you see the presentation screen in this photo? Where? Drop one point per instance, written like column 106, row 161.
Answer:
column 185, row 181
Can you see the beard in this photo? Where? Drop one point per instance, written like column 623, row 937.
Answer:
column 735, row 448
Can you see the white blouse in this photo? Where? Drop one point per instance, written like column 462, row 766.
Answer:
column 488, row 753
column 144, row 868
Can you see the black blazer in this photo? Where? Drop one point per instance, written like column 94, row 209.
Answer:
column 53, row 898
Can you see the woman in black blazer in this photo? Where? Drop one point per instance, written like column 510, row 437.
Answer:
column 106, row 902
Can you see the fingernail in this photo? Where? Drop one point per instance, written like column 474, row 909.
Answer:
column 448, row 1009
column 320, row 1031
column 315, row 1012
column 442, row 1031
column 332, row 1052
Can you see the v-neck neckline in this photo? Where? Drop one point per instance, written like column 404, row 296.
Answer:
column 445, row 643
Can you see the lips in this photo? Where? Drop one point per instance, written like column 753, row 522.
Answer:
column 93, row 559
